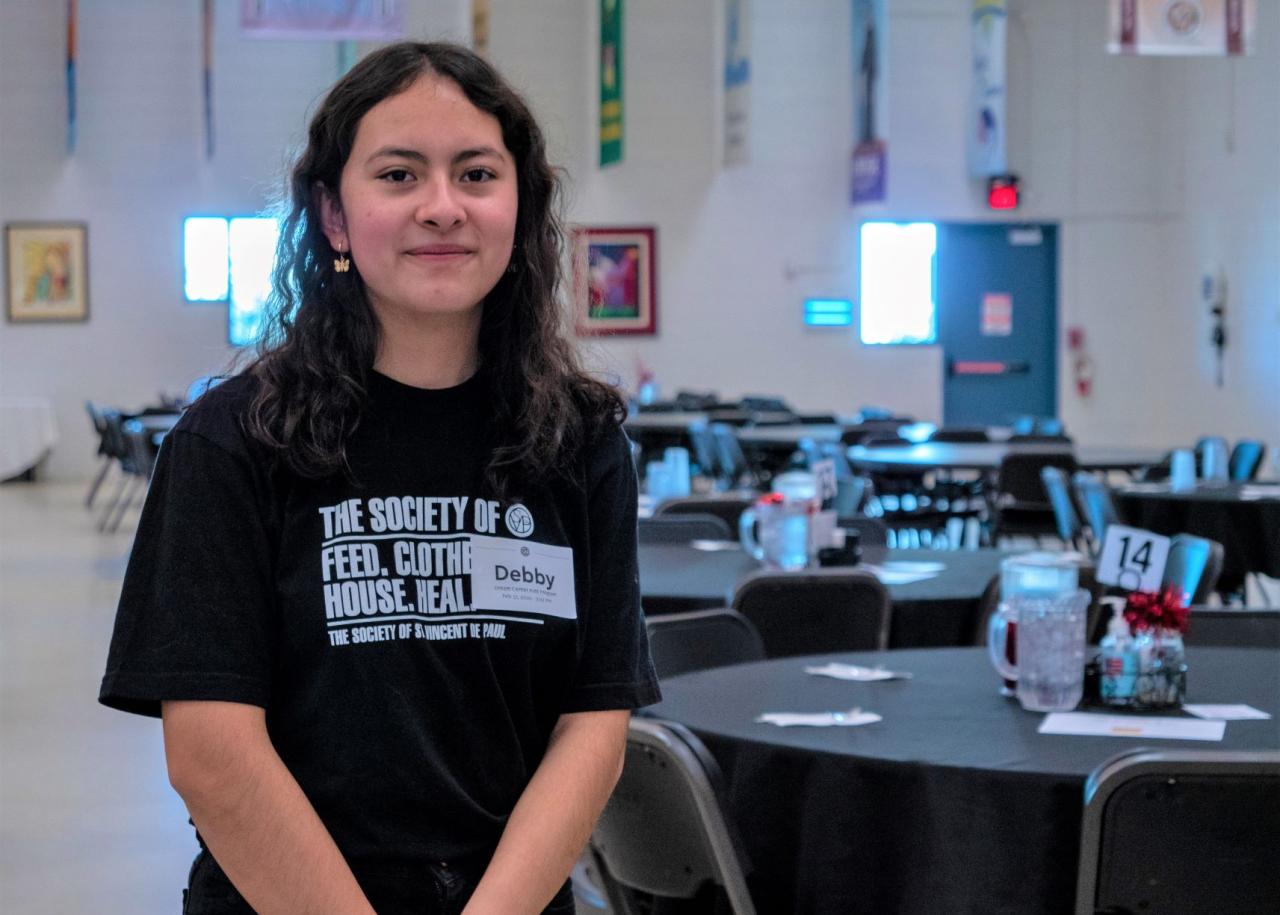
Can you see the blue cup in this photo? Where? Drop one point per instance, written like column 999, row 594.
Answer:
column 1182, row 471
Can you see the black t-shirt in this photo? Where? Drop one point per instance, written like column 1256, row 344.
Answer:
column 411, row 717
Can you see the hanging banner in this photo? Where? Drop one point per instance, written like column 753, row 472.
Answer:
column 1175, row 28
column 327, row 20
column 71, row 76
column 611, row 121
column 206, row 74
column 737, row 82
column 480, row 26
column 985, row 131
column 870, row 180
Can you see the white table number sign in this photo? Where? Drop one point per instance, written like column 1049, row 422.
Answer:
column 1132, row 558
column 825, row 472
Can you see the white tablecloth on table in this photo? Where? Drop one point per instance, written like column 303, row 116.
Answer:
column 27, row 433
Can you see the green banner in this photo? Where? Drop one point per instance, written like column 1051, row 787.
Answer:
column 610, row 81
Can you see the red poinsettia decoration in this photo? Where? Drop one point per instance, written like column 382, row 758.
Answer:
column 1166, row 609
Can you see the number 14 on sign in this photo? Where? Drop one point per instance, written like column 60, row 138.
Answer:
column 1132, row 558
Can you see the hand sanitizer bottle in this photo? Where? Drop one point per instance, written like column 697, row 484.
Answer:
column 1118, row 662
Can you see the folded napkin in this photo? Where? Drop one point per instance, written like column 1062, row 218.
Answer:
column 889, row 575
column 1227, row 712
column 854, row 672
column 1259, row 492
column 850, row 718
column 715, row 546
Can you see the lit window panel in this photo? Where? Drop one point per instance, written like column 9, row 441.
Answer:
column 897, row 291
column 252, row 243
column 204, row 258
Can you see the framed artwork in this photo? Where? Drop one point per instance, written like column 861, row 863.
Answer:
column 615, row 281
column 46, row 271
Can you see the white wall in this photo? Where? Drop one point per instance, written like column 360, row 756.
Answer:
column 1129, row 155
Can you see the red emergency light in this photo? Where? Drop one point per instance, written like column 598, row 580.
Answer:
column 1002, row 192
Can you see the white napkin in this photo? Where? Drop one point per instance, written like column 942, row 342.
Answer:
column 854, row 672
column 1250, row 493
column 895, row 576
column 715, row 546
column 850, row 718
column 1227, row 712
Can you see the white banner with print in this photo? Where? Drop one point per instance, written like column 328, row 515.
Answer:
column 985, row 132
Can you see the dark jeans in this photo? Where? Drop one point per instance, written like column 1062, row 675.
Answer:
column 393, row 890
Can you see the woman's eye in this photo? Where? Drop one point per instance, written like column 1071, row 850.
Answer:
column 478, row 174
column 397, row 176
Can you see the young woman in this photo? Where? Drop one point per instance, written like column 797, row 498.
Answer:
column 383, row 592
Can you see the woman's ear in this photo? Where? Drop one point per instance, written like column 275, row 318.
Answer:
column 332, row 221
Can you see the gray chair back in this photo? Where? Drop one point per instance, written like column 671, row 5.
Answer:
column 816, row 611
column 700, row 640
column 683, row 528
column 1181, row 831
column 727, row 508
column 665, row 830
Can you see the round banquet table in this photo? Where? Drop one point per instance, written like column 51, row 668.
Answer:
column 1243, row 517
column 953, row 803
column 935, row 611
column 986, row 456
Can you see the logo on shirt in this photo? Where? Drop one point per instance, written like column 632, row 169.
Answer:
column 519, row 521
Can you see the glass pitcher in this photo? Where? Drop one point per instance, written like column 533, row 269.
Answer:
column 1036, row 637
column 784, row 530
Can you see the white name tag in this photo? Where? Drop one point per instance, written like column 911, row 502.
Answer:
column 1132, row 558
column 523, row 576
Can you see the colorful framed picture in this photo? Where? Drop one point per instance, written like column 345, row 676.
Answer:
column 615, row 280
column 46, row 271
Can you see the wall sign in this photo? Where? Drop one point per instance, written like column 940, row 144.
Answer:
column 997, row 314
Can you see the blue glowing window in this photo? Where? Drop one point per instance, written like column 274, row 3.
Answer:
column 204, row 258
column 252, row 246
column 230, row 260
column 828, row 312
column 898, row 288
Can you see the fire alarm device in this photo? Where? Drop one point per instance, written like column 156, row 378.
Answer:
column 1002, row 192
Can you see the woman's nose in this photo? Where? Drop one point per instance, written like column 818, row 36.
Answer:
column 440, row 206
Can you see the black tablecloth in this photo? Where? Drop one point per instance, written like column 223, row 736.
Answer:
column 935, row 612
column 953, row 803
column 1248, row 529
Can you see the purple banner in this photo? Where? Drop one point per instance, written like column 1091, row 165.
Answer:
column 324, row 20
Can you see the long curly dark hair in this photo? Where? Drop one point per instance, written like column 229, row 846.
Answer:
column 322, row 335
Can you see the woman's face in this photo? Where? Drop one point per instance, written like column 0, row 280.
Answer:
column 427, row 203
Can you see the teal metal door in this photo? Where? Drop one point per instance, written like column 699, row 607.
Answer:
column 998, row 321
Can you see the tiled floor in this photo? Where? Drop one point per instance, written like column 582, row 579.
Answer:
column 88, row 822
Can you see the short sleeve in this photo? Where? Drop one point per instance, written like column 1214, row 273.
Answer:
column 614, row 668
column 195, row 613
